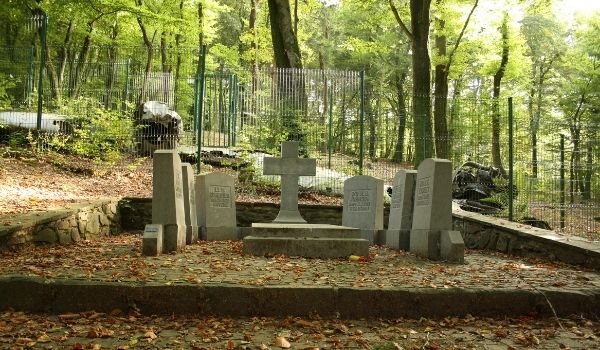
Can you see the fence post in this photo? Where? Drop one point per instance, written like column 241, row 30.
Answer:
column 361, row 142
column 511, row 183
column 30, row 78
column 234, row 110
column 562, row 181
column 199, row 104
column 330, row 133
column 126, row 92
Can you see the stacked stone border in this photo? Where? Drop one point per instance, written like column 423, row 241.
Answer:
column 86, row 221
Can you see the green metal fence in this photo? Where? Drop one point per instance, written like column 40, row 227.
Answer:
column 349, row 124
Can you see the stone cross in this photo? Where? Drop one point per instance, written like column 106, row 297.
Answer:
column 290, row 167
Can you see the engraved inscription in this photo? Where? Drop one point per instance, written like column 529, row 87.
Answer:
column 396, row 197
column 424, row 191
column 360, row 201
column 178, row 186
column 151, row 229
column 219, row 196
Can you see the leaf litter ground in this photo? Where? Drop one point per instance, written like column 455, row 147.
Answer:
column 118, row 260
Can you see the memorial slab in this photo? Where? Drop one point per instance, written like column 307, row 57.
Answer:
column 215, row 203
column 397, row 235
column 363, row 205
column 189, row 201
column 432, row 212
column 168, row 207
column 289, row 167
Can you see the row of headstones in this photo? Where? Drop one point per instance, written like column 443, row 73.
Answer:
column 420, row 217
column 186, row 208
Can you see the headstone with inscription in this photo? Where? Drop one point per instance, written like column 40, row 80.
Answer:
column 152, row 240
column 397, row 235
column 215, row 201
column 363, row 206
column 168, row 207
column 189, row 201
column 290, row 167
column 432, row 213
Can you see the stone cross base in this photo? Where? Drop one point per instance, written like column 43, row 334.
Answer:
column 305, row 240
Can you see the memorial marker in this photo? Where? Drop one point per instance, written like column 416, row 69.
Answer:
column 290, row 167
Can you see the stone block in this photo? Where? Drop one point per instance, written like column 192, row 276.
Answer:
column 452, row 246
column 64, row 236
column 323, row 248
column 425, row 243
column 397, row 239
column 45, row 235
column 219, row 233
column 173, row 238
column 152, row 240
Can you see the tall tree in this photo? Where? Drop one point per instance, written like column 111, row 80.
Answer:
column 421, row 69
column 442, row 69
column 545, row 43
column 496, row 156
column 285, row 43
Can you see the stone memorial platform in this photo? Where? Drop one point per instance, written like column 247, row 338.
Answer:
column 305, row 240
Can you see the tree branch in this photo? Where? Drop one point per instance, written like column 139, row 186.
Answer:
column 462, row 32
column 400, row 22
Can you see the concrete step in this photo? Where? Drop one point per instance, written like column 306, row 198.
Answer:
column 303, row 230
column 308, row 247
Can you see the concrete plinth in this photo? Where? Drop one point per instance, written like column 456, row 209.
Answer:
column 308, row 247
column 397, row 239
column 303, row 230
column 306, row 240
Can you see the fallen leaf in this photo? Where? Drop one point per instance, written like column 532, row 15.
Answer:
column 281, row 342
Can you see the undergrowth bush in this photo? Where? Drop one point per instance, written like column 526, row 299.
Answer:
column 97, row 133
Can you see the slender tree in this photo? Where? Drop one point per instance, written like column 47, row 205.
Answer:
column 421, row 69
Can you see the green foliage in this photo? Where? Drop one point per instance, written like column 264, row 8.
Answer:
column 97, row 133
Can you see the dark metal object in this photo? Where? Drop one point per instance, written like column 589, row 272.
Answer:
column 160, row 126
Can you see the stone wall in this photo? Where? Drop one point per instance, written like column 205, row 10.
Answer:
column 484, row 232
column 83, row 221
column 137, row 212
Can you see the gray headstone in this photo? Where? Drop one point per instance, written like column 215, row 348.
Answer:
column 152, row 240
column 167, row 199
column 290, row 167
column 189, row 201
column 363, row 205
column 397, row 235
column 215, row 201
column 432, row 213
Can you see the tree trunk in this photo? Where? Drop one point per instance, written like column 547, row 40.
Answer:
column 285, row 44
column 401, row 113
column 440, row 96
column 496, row 156
column 64, row 53
column 589, row 168
column 178, row 41
column 112, row 62
column 419, row 14
column 81, row 61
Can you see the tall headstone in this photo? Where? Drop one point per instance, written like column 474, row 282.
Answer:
column 397, row 235
column 215, row 201
column 167, row 199
column 290, row 167
column 189, row 201
column 363, row 205
column 432, row 213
